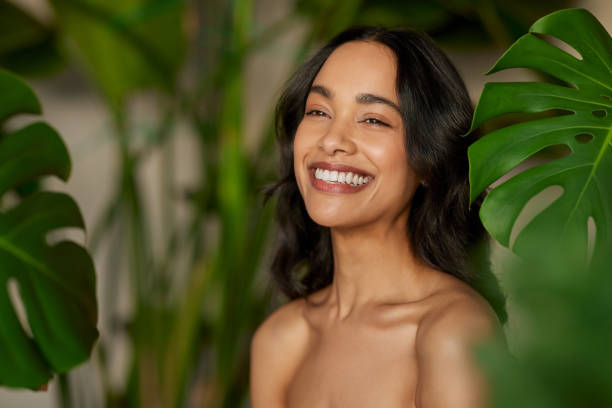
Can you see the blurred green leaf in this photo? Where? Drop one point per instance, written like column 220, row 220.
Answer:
column 121, row 45
column 562, row 348
column 233, row 195
column 183, row 334
column 26, row 46
column 422, row 15
column 587, row 131
column 38, row 60
column 18, row 29
column 328, row 17
column 55, row 281
column 16, row 96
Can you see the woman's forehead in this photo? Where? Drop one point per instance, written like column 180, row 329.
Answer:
column 360, row 67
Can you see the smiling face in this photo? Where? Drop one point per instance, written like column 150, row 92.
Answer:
column 352, row 125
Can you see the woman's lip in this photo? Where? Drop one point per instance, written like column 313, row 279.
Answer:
column 340, row 188
column 339, row 167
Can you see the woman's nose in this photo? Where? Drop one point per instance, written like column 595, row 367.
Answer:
column 338, row 138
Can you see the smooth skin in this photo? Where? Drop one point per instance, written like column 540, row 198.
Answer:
column 389, row 331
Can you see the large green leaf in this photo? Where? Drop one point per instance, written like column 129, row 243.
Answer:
column 55, row 281
column 584, row 174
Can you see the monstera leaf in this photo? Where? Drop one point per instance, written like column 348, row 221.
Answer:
column 55, row 281
column 584, row 175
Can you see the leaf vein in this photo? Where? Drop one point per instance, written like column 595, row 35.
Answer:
column 603, row 61
column 600, row 155
column 42, row 268
column 580, row 73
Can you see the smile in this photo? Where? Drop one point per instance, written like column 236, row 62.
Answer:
column 341, row 177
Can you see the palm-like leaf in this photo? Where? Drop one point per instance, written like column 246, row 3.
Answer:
column 585, row 174
column 56, row 281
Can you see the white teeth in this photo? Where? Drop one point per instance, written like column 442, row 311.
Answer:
column 341, row 177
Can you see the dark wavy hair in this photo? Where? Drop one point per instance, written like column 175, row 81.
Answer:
column 444, row 231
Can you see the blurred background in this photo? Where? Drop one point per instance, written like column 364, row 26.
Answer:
column 166, row 107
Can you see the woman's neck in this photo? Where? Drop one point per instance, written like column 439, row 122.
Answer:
column 374, row 264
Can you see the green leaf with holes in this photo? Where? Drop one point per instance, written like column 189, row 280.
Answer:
column 584, row 175
column 52, row 279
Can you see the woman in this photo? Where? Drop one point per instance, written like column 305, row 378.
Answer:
column 375, row 230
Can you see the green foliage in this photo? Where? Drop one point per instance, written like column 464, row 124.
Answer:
column 457, row 23
column 26, row 46
column 56, row 281
column 562, row 311
column 423, row 15
column 560, row 287
column 586, row 130
column 124, row 45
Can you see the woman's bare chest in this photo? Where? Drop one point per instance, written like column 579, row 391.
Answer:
column 357, row 369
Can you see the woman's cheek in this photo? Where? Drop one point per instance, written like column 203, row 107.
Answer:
column 379, row 152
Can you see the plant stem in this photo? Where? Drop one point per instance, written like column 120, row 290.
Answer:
column 64, row 398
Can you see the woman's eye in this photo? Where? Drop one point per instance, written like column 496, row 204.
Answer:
column 315, row 112
column 374, row 121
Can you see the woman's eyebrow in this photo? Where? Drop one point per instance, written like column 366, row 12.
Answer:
column 367, row 98
column 363, row 98
column 321, row 90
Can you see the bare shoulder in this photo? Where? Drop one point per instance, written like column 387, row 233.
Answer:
column 459, row 315
column 456, row 321
column 277, row 348
column 283, row 324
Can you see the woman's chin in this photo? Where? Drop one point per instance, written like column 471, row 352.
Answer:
column 335, row 219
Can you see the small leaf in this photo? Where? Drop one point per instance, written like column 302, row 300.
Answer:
column 17, row 97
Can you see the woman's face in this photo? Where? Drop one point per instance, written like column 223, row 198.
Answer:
column 352, row 126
